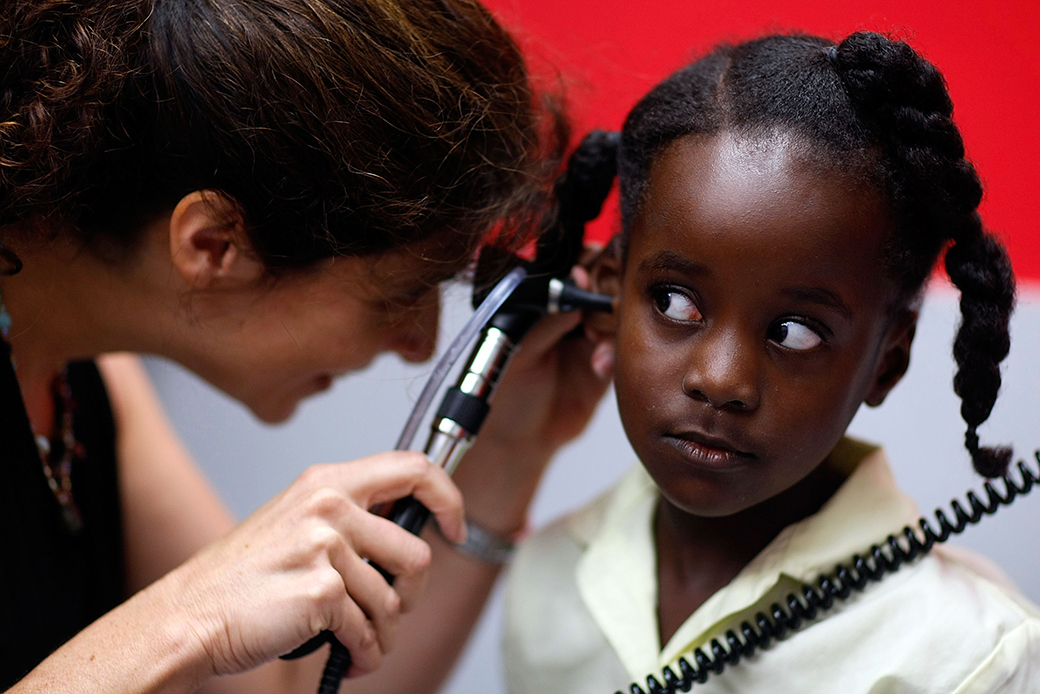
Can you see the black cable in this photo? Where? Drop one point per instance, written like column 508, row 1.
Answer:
column 335, row 668
column 854, row 576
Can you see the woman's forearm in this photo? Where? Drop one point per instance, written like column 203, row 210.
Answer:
column 144, row 646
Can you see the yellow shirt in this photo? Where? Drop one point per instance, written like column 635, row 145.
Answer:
column 581, row 605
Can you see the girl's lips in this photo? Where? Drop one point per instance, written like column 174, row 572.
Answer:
column 704, row 451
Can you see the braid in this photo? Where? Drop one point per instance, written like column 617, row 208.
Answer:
column 580, row 193
column 903, row 100
column 590, row 175
column 935, row 193
column 980, row 268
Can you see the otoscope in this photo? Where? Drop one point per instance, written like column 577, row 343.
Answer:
column 510, row 296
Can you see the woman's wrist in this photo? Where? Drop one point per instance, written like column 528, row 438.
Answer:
column 176, row 642
column 144, row 646
column 176, row 609
column 485, row 545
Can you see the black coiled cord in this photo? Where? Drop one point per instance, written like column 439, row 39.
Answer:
column 335, row 668
column 881, row 559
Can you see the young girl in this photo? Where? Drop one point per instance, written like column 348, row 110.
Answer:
column 783, row 204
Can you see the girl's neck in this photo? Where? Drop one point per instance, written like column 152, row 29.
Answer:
column 697, row 556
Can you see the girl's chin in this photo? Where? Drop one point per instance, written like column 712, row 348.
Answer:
column 703, row 498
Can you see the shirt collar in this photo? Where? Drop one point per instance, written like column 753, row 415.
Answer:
column 616, row 574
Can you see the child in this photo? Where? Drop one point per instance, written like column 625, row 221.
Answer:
column 783, row 203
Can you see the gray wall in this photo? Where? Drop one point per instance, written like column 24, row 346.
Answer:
column 919, row 426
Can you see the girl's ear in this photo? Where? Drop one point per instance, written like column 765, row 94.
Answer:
column 895, row 357
column 208, row 245
column 605, row 278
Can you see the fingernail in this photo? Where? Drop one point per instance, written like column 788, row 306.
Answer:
column 602, row 360
column 452, row 532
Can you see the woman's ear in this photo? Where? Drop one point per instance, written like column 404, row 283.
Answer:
column 895, row 357
column 605, row 278
column 208, row 245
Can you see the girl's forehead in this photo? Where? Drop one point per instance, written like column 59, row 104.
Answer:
column 765, row 173
column 761, row 199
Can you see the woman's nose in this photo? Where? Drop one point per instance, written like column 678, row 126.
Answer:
column 413, row 333
column 722, row 371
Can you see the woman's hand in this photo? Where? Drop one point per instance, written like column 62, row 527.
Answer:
column 297, row 566
column 552, row 386
column 546, row 398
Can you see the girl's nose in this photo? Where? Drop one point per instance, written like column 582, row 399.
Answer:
column 722, row 371
column 413, row 333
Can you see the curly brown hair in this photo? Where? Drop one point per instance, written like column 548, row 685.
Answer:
column 337, row 127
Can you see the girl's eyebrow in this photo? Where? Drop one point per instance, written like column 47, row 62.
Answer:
column 819, row 295
column 670, row 260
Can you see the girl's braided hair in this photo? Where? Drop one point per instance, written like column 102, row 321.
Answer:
column 873, row 107
column 335, row 126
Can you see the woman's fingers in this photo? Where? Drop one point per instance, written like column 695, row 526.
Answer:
column 396, row 474
column 398, row 552
column 350, row 536
column 355, row 630
column 369, row 612
column 365, row 619
column 543, row 337
column 339, row 495
column 602, row 360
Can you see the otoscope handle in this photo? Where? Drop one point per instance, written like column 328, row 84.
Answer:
column 410, row 514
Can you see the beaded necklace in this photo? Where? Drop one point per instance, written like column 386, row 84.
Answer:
column 59, row 475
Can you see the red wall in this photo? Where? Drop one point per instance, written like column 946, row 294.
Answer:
column 609, row 52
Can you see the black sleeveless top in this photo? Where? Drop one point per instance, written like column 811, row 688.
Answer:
column 52, row 585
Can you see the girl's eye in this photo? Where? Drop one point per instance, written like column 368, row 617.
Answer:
column 676, row 305
column 794, row 335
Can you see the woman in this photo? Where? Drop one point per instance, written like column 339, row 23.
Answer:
column 267, row 192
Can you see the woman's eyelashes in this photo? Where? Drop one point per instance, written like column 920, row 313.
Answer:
column 675, row 304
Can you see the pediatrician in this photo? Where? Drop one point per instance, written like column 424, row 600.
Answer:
column 268, row 192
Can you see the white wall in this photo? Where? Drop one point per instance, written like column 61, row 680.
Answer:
column 919, row 425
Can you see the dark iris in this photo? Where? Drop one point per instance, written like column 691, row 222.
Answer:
column 663, row 299
column 779, row 332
